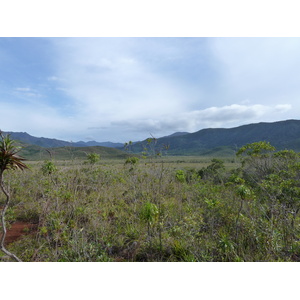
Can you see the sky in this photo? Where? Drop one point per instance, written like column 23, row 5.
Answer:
column 126, row 89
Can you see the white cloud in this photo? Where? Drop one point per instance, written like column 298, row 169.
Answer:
column 283, row 108
column 27, row 92
column 123, row 89
column 54, row 78
column 125, row 86
column 191, row 121
column 263, row 70
column 108, row 81
column 234, row 115
column 42, row 121
column 23, row 89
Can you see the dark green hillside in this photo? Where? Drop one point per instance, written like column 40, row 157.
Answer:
column 282, row 135
column 41, row 141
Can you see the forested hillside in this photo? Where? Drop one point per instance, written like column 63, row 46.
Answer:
column 283, row 135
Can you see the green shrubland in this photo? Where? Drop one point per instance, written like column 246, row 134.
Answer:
column 161, row 209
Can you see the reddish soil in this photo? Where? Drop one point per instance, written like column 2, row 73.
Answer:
column 17, row 230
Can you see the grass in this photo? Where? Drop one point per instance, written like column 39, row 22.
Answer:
column 154, row 210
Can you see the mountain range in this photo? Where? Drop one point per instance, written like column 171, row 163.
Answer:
column 54, row 143
column 210, row 141
column 223, row 141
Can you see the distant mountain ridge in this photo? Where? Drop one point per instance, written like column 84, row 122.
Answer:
column 176, row 134
column 54, row 143
column 281, row 134
column 209, row 141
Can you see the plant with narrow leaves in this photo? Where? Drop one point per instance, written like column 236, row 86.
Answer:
column 48, row 168
column 9, row 160
column 149, row 214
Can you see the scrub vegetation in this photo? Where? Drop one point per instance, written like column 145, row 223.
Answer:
column 156, row 208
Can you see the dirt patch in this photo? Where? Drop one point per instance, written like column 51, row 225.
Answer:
column 17, row 230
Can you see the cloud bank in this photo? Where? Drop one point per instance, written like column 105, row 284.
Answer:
column 121, row 89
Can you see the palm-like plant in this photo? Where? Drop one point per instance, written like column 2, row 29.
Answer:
column 9, row 160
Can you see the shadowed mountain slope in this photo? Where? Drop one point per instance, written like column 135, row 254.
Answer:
column 282, row 135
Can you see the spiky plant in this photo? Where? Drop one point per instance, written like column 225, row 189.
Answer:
column 9, row 160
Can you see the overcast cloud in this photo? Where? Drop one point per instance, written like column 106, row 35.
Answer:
column 121, row 89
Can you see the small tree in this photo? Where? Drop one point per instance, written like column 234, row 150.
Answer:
column 9, row 160
column 48, row 168
column 132, row 161
column 93, row 158
column 257, row 161
column 214, row 171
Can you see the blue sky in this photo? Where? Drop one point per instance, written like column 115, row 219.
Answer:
column 121, row 89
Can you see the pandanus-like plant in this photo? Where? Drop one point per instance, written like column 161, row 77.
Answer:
column 9, row 160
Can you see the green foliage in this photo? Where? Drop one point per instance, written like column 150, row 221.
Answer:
column 180, row 176
column 132, row 160
column 256, row 149
column 211, row 203
column 256, row 160
column 149, row 213
column 214, row 171
column 48, row 168
column 93, row 158
column 227, row 248
column 8, row 154
column 181, row 252
column 243, row 191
